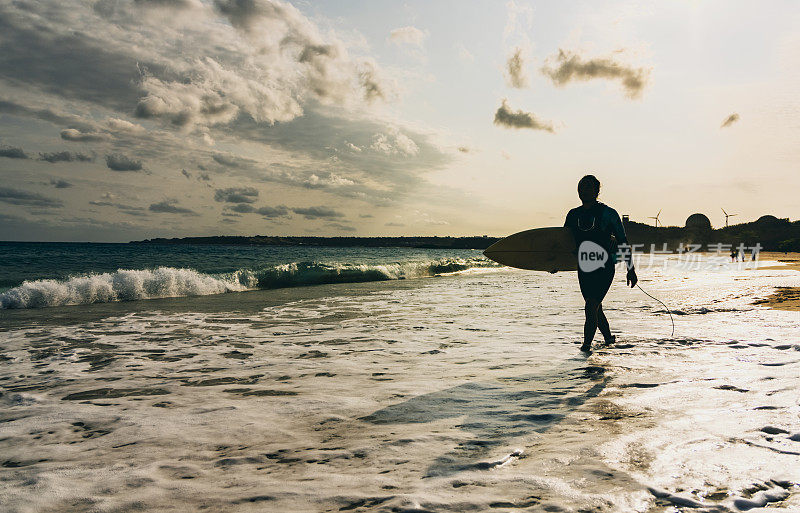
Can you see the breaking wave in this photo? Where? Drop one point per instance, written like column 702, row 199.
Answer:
column 163, row 282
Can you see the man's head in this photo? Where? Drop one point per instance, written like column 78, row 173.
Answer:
column 588, row 189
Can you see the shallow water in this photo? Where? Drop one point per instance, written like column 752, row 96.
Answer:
column 458, row 393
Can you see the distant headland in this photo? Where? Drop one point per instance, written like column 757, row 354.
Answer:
column 478, row 242
column 772, row 233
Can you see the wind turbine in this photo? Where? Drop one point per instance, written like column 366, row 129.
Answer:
column 727, row 215
column 656, row 218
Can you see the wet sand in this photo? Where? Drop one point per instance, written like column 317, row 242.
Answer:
column 784, row 298
column 786, row 261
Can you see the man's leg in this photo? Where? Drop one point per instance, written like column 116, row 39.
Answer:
column 602, row 323
column 590, row 326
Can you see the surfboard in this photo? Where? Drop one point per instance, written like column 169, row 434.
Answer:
column 540, row 249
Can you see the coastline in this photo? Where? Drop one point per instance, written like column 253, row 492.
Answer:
column 784, row 298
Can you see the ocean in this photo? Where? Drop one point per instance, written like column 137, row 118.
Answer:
column 54, row 274
column 187, row 378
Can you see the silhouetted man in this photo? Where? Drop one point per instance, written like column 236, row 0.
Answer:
column 598, row 231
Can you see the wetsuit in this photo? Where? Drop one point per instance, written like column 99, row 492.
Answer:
column 597, row 231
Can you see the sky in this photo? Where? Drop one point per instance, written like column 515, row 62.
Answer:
column 129, row 119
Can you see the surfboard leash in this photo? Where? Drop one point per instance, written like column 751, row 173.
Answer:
column 665, row 308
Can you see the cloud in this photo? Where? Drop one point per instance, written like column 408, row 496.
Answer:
column 516, row 70
column 730, row 120
column 464, row 149
column 519, row 19
column 352, row 147
column 186, row 174
column 74, row 135
column 229, row 160
column 44, row 114
column 169, row 206
column 242, row 208
column 13, row 153
column 567, row 67
column 326, row 180
column 317, row 212
column 258, row 77
column 120, row 125
column 270, row 212
column 385, row 171
column 60, row 184
column 519, row 119
column 169, row 4
column 463, row 54
column 394, row 224
column 119, row 162
column 375, row 87
column 65, row 156
column 287, row 61
column 215, row 96
column 394, row 143
column 341, row 227
column 407, row 36
column 28, row 199
column 236, row 195
column 266, row 63
column 125, row 209
column 266, row 212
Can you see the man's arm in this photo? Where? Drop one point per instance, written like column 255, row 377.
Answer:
column 622, row 239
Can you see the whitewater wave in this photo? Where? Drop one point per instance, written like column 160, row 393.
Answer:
column 164, row 282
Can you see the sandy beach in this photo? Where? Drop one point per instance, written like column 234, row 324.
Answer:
column 784, row 298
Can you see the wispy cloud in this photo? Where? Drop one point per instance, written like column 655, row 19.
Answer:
column 170, row 206
column 236, row 195
column 566, row 67
column 730, row 120
column 60, row 184
column 125, row 209
column 270, row 212
column 341, row 227
column 519, row 18
column 407, row 36
column 230, row 160
column 464, row 55
column 27, row 198
column 75, row 135
column 320, row 212
column 516, row 69
column 508, row 118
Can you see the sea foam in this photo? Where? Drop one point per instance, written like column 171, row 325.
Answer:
column 123, row 285
column 130, row 285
